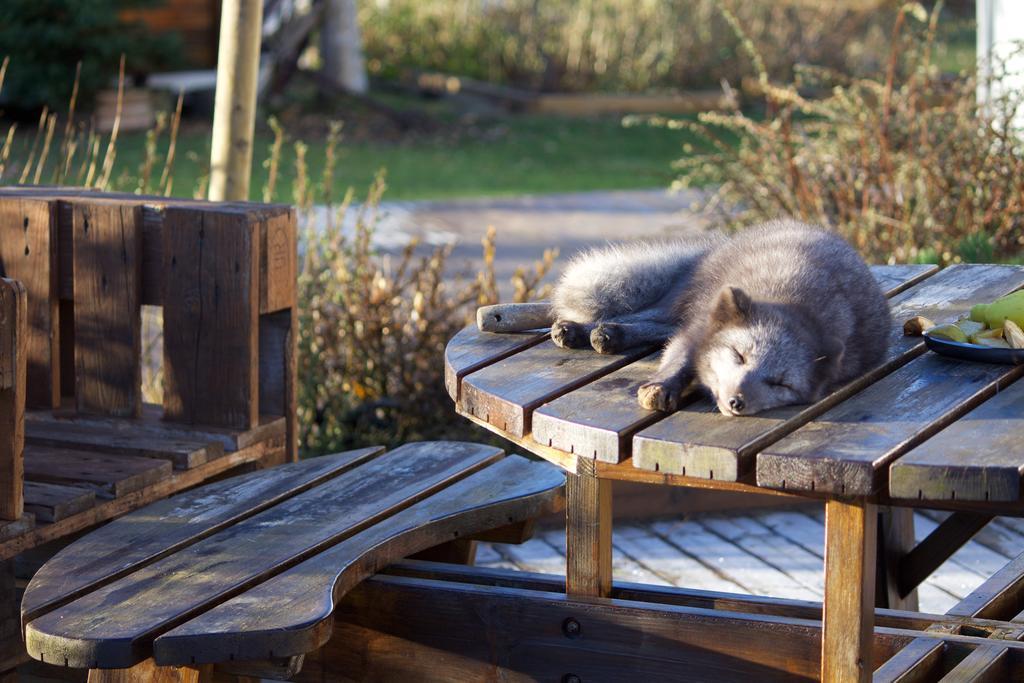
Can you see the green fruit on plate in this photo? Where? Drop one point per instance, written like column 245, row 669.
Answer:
column 991, row 342
column 978, row 312
column 970, row 327
column 949, row 332
column 1009, row 307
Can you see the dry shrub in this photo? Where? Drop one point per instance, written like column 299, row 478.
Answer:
column 373, row 328
column 625, row 45
column 907, row 166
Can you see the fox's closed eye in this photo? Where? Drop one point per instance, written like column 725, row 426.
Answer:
column 740, row 360
column 780, row 383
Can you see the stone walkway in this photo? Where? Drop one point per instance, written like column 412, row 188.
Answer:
column 774, row 552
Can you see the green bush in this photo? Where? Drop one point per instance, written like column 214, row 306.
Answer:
column 621, row 45
column 907, row 166
column 46, row 39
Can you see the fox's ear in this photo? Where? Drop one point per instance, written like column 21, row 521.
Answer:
column 733, row 305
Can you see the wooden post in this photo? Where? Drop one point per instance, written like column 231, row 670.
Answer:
column 849, row 613
column 147, row 671
column 13, row 329
column 234, row 112
column 588, row 532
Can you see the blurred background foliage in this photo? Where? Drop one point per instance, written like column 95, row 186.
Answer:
column 49, row 40
column 610, row 45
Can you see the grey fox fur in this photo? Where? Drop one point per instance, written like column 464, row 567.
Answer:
column 778, row 314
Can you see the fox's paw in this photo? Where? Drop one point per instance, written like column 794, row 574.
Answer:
column 607, row 338
column 657, row 396
column 569, row 335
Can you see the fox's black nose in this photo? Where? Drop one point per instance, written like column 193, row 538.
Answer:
column 737, row 403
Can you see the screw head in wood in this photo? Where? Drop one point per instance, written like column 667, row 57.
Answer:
column 571, row 628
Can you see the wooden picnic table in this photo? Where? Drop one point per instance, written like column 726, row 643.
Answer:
column 918, row 430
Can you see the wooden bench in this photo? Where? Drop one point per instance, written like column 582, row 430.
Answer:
column 246, row 572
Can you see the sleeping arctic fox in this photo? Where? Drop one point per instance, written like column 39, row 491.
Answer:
column 778, row 314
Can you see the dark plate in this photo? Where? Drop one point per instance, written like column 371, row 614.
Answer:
column 981, row 354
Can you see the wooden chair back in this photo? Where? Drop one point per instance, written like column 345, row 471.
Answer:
column 224, row 275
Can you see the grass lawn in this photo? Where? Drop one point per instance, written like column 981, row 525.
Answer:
column 517, row 155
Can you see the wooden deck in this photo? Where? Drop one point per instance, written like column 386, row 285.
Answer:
column 777, row 552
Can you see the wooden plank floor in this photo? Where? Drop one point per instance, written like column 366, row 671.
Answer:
column 774, row 552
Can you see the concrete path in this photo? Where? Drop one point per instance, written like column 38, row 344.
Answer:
column 528, row 225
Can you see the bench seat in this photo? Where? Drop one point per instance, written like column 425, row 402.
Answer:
column 251, row 568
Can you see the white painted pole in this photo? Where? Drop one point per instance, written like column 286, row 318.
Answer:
column 1000, row 30
column 342, row 46
column 234, row 108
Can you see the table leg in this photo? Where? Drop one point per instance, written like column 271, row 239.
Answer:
column 896, row 539
column 588, row 532
column 851, row 538
column 148, row 672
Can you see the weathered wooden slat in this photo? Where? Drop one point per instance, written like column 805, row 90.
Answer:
column 54, row 502
column 688, row 597
column 153, row 210
column 278, row 239
column 28, row 253
column 979, row 457
column 293, row 608
column 211, row 306
column 999, row 597
column 183, row 453
column 599, row 419
column 270, row 427
column 110, row 476
column 144, row 536
column 848, row 449
column 107, row 510
column 13, row 366
column 112, row 626
column 917, row 662
column 895, row 279
column 107, row 249
column 388, row 625
column 471, row 349
column 505, row 394
column 710, row 445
